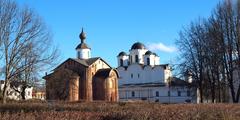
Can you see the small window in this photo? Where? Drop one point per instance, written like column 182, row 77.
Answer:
column 169, row 93
column 121, row 62
column 179, row 93
column 78, row 54
column 157, row 94
column 188, row 93
column 29, row 93
column 136, row 58
column 133, row 94
column 148, row 61
column 138, row 75
column 131, row 75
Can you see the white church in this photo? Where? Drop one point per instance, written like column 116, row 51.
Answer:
column 143, row 78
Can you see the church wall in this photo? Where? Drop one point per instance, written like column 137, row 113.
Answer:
column 158, row 74
column 125, row 60
column 167, row 75
column 136, row 74
column 151, row 58
column 111, row 87
column 91, row 71
column 101, row 65
column 122, row 75
column 140, row 53
column 74, row 89
column 149, row 94
column 148, row 74
column 105, row 89
column 74, row 66
column 157, row 60
column 81, row 70
column 83, row 53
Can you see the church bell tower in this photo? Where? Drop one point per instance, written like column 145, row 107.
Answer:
column 83, row 51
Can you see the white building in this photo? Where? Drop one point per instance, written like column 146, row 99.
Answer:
column 13, row 94
column 142, row 77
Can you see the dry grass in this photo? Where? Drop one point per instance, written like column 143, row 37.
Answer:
column 118, row 111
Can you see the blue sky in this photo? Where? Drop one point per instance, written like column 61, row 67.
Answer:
column 113, row 26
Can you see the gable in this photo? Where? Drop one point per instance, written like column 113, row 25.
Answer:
column 71, row 61
column 100, row 64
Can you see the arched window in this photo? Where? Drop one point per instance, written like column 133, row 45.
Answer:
column 79, row 54
column 148, row 61
column 157, row 94
column 179, row 93
column 121, row 62
column 133, row 94
column 188, row 93
column 169, row 93
column 136, row 58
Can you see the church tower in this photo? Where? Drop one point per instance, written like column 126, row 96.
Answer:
column 137, row 52
column 83, row 51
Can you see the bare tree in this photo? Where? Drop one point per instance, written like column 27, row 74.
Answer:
column 210, row 48
column 25, row 43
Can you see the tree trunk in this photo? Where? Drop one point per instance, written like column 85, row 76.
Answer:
column 23, row 92
column 5, row 89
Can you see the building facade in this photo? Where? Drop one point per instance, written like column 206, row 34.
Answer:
column 142, row 77
column 15, row 89
column 82, row 78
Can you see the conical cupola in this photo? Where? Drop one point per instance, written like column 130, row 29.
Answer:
column 83, row 51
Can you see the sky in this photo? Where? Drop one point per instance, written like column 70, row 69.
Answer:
column 113, row 26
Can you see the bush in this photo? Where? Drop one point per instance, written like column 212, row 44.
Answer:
column 117, row 111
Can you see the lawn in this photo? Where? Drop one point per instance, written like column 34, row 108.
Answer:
column 117, row 111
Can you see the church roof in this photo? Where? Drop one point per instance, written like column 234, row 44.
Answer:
column 83, row 46
column 155, row 54
column 87, row 62
column 82, row 35
column 84, row 62
column 178, row 82
column 137, row 45
column 148, row 53
column 164, row 66
column 122, row 54
column 104, row 73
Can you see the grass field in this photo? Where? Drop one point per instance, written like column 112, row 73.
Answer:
column 118, row 111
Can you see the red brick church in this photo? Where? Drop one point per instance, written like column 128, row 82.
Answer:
column 83, row 78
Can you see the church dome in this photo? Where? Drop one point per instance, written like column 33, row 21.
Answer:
column 149, row 53
column 137, row 45
column 82, row 46
column 82, row 35
column 122, row 54
column 155, row 54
